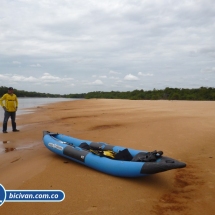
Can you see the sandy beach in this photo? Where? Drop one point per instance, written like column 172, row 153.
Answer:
column 183, row 130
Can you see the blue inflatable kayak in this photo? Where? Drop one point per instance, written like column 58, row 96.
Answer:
column 109, row 159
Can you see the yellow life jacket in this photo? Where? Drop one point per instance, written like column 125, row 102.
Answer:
column 10, row 102
column 109, row 153
column 106, row 153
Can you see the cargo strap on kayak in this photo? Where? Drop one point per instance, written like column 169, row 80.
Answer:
column 124, row 154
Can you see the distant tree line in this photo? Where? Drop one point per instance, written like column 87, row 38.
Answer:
column 203, row 93
column 22, row 93
column 200, row 94
column 75, row 96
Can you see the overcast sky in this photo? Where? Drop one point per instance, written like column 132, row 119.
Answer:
column 79, row 46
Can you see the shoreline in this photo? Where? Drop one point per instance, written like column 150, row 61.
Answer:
column 30, row 104
column 184, row 130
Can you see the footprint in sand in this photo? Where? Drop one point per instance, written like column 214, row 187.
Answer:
column 92, row 208
column 15, row 160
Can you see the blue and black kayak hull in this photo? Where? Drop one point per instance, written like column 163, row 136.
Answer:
column 70, row 147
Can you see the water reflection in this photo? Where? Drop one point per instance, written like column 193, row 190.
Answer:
column 9, row 149
column 5, row 141
column 6, row 147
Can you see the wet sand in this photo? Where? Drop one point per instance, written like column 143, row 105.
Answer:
column 184, row 130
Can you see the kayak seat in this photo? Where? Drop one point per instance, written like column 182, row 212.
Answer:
column 124, row 155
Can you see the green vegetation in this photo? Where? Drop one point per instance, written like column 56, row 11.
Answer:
column 75, row 96
column 22, row 93
column 201, row 94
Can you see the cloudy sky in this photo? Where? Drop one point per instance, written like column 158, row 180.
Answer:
column 70, row 46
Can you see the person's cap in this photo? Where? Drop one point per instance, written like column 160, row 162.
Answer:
column 10, row 88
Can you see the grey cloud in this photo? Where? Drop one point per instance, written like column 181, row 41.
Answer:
column 112, row 40
column 35, row 65
column 208, row 70
column 131, row 77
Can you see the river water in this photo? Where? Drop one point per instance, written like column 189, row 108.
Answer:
column 25, row 103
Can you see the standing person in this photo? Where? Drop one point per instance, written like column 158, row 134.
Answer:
column 10, row 106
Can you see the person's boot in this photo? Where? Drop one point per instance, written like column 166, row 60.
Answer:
column 15, row 130
column 14, row 127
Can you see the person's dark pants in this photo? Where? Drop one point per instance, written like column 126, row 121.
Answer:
column 8, row 115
